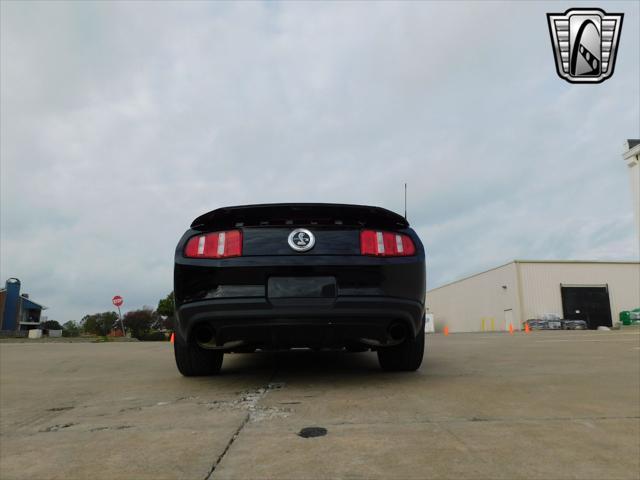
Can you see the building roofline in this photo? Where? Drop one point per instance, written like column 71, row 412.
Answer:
column 633, row 149
column 614, row 262
column 27, row 299
column 472, row 275
column 35, row 303
column 635, row 262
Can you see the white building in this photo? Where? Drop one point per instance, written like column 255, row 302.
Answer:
column 632, row 157
column 524, row 289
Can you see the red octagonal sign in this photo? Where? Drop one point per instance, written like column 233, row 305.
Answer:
column 117, row 300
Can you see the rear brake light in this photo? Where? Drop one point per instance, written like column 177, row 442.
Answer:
column 386, row 244
column 215, row 245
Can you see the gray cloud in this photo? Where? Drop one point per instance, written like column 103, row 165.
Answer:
column 122, row 121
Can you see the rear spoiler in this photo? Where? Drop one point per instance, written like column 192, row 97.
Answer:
column 300, row 214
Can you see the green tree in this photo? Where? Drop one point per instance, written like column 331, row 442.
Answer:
column 99, row 323
column 51, row 325
column 70, row 329
column 89, row 324
column 166, row 312
column 139, row 322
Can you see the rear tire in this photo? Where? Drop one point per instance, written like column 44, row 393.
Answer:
column 405, row 357
column 194, row 361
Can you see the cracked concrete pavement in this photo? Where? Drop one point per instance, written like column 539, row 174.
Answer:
column 545, row 405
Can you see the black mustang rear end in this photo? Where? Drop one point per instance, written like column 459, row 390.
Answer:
column 299, row 275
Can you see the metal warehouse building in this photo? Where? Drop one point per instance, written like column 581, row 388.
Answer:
column 520, row 290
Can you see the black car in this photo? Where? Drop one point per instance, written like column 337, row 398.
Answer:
column 280, row 276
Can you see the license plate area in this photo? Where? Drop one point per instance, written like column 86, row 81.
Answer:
column 301, row 287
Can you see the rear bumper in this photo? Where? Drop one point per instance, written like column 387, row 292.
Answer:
column 286, row 323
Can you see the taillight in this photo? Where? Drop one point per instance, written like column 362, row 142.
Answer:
column 215, row 245
column 386, row 244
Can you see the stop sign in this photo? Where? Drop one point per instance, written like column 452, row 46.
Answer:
column 117, row 300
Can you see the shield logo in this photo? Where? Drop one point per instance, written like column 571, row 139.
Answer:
column 585, row 43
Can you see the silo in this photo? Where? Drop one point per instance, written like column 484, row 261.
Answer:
column 12, row 305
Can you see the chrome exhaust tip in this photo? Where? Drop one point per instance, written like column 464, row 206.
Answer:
column 204, row 336
column 398, row 332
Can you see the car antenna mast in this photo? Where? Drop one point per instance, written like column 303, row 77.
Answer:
column 405, row 200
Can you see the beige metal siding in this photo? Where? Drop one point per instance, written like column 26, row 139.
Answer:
column 540, row 284
column 462, row 305
column 632, row 156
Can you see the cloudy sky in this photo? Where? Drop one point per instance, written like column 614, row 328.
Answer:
column 122, row 121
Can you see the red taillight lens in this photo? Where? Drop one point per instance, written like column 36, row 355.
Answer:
column 386, row 244
column 215, row 245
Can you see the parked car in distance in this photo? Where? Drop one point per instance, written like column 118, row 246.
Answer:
column 281, row 276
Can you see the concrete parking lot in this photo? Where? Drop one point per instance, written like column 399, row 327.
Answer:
column 544, row 405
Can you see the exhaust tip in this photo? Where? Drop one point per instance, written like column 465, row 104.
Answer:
column 398, row 331
column 204, row 336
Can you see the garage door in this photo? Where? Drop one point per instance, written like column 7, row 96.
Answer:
column 588, row 303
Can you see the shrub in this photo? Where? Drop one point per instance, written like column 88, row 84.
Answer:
column 70, row 329
column 51, row 325
column 154, row 337
column 99, row 323
column 139, row 322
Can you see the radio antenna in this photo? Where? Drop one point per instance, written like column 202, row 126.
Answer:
column 405, row 200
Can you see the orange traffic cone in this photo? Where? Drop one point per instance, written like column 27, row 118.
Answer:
column 446, row 331
column 172, row 336
column 511, row 329
column 526, row 328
